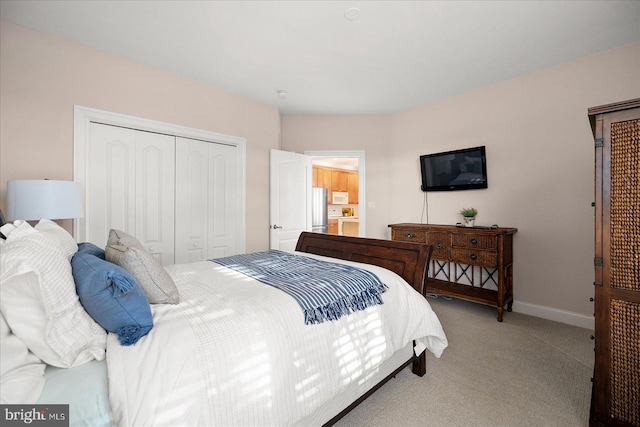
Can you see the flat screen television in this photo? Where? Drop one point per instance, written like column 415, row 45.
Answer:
column 464, row 169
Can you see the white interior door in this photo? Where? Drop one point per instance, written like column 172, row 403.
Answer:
column 223, row 195
column 192, row 166
column 290, row 198
column 155, row 192
column 206, row 200
column 111, row 178
column 125, row 173
column 130, row 187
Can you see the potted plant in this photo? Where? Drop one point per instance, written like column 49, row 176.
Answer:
column 469, row 216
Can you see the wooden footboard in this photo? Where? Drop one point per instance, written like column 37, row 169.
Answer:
column 408, row 260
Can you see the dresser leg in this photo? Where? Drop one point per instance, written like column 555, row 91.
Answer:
column 500, row 312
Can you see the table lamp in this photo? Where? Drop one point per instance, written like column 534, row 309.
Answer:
column 35, row 199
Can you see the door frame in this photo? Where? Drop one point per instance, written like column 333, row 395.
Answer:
column 362, row 202
column 84, row 116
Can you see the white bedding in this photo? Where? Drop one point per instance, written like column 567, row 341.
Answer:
column 237, row 352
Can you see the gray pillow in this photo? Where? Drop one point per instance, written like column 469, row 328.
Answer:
column 127, row 252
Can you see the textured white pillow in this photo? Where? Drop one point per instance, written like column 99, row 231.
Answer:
column 7, row 229
column 64, row 241
column 21, row 372
column 39, row 300
column 127, row 252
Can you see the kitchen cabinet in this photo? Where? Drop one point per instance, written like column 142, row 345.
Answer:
column 323, row 179
column 352, row 187
column 336, row 180
column 333, row 226
column 339, row 181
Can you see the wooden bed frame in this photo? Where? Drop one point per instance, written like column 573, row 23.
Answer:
column 408, row 260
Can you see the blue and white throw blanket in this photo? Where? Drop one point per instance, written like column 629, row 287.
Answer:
column 324, row 290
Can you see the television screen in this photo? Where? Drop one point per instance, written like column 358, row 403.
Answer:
column 454, row 170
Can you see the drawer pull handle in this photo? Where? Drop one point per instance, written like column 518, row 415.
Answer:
column 474, row 241
column 409, row 236
column 473, row 257
column 438, row 245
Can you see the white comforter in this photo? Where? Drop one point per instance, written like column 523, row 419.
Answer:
column 237, row 352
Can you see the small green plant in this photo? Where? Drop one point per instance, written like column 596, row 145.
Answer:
column 469, row 212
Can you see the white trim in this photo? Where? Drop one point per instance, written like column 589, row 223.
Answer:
column 359, row 154
column 83, row 116
column 555, row 314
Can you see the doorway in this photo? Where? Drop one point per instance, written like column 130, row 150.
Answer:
column 349, row 161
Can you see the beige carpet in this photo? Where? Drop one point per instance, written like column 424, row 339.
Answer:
column 524, row 371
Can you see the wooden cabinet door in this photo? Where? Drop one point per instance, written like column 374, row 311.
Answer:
column 333, row 226
column 352, row 187
column 339, row 181
column 324, row 179
column 617, row 270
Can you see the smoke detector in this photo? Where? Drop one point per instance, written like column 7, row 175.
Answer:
column 352, row 14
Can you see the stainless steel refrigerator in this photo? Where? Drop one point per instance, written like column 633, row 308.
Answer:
column 319, row 209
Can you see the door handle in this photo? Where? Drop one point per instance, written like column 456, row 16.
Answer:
column 275, row 227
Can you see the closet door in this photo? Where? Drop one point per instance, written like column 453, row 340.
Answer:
column 206, row 200
column 155, row 192
column 110, row 182
column 223, row 195
column 192, row 168
column 130, row 187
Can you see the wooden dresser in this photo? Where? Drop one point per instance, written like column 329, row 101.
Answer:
column 474, row 263
column 616, row 385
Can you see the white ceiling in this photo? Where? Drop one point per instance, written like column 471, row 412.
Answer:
column 394, row 56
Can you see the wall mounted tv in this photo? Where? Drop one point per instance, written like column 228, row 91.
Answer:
column 464, row 169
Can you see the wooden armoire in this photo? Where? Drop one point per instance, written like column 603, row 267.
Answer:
column 616, row 387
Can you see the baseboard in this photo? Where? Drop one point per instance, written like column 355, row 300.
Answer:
column 563, row 316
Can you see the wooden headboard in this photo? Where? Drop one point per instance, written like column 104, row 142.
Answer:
column 408, row 260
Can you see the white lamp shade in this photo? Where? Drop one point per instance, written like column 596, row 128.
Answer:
column 35, row 199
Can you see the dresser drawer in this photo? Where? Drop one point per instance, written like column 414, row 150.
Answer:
column 475, row 257
column 408, row 235
column 441, row 242
column 475, row 241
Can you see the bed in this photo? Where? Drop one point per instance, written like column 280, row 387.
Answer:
column 234, row 351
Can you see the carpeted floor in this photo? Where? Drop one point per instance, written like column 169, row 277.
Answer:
column 525, row 371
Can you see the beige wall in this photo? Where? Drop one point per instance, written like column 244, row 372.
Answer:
column 370, row 134
column 539, row 146
column 540, row 168
column 43, row 77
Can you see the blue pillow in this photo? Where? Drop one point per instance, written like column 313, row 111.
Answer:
column 92, row 249
column 112, row 297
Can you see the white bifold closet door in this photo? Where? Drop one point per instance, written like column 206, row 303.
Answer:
column 206, row 194
column 131, row 187
column 177, row 196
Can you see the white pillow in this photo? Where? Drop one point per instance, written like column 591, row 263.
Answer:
column 39, row 300
column 64, row 241
column 7, row 229
column 21, row 372
column 127, row 252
